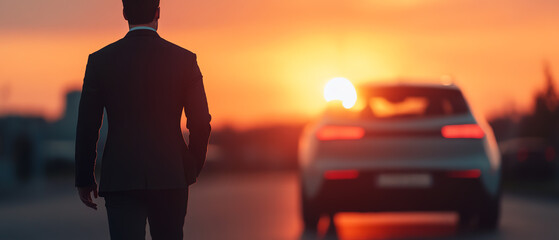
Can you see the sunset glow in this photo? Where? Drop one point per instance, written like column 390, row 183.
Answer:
column 257, row 54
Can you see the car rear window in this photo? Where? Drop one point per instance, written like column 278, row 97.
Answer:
column 397, row 102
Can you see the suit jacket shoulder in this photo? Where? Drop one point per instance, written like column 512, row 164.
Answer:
column 115, row 46
column 108, row 48
column 178, row 48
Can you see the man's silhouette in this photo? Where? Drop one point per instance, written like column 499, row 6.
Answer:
column 143, row 82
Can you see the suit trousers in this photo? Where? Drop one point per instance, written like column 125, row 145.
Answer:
column 165, row 211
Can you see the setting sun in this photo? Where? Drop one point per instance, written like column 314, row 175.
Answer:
column 340, row 89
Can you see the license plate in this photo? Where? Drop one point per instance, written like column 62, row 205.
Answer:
column 418, row 180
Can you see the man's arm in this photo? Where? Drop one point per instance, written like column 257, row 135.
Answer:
column 198, row 116
column 90, row 117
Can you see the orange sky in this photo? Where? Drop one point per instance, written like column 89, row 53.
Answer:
column 268, row 61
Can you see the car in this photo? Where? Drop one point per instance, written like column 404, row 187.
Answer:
column 528, row 158
column 401, row 147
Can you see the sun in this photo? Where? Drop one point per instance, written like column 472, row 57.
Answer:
column 341, row 89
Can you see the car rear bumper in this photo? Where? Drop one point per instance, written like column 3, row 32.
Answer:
column 363, row 194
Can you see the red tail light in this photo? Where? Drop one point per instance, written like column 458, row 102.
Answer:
column 474, row 173
column 550, row 154
column 340, row 133
column 522, row 154
column 463, row 131
column 341, row 174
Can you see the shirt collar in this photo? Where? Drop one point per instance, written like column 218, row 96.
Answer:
column 142, row 27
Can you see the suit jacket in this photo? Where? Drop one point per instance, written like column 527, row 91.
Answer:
column 144, row 82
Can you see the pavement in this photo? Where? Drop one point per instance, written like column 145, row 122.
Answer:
column 264, row 206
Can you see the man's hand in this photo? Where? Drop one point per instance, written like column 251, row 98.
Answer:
column 85, row 195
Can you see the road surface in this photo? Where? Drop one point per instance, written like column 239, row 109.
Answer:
column 264, row 206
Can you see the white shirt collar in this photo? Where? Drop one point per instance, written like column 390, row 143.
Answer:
column 142, row 27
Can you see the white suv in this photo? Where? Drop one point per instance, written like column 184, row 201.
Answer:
column 402, row 147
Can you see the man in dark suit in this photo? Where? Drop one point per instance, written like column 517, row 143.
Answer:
column 143, row 82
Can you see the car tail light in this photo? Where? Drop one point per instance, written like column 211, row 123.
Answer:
column 474, row 173
column 550, row 154
column 340, row 133
column 522, row 155
column 341, row 174
column 463, row 131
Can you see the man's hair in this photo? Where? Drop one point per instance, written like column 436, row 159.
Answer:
column 140, row 11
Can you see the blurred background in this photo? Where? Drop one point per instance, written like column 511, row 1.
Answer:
column 265, row 65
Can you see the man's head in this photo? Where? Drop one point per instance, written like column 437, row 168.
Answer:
column 140, row 11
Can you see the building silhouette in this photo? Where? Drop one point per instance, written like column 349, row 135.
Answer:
column 32, row 149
